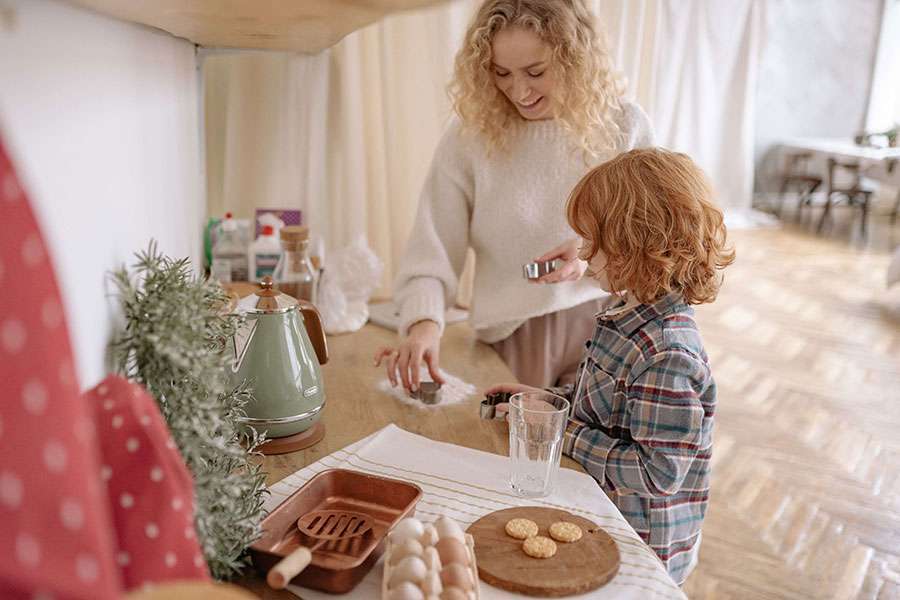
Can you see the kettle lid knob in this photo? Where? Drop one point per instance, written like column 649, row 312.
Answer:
column 267, row 284
column 268, row 299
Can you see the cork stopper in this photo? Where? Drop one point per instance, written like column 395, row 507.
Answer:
column 293, row 234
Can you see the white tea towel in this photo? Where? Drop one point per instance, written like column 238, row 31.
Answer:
column 454, row 390
column 467, row 484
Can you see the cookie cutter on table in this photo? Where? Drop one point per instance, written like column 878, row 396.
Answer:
column 429, row 392
column 490, row 408
column 537, row 269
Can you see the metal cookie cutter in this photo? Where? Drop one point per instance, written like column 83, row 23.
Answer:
column 429, row 392
column 536, row 270
column 489, row 408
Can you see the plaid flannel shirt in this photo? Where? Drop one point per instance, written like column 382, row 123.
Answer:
column 642, row 424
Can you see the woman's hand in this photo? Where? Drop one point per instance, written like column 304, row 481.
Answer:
column 572, row 267
column 422, row 343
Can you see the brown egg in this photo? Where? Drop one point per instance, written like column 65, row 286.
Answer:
column 456, row 575
column 454, row 593
column 451, row 551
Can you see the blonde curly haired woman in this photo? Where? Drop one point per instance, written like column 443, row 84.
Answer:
column 537, row 106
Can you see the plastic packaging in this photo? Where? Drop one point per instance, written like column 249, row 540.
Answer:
column 229, row 253
column 264, row 254
column 348, row 281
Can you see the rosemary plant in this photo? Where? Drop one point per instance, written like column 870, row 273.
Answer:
column 173, row 344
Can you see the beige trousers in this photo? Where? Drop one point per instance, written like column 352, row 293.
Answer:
column 546, row 350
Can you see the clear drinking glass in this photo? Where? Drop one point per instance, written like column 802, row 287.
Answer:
column 537, row 421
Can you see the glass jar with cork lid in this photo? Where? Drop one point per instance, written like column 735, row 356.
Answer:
column 295, row 274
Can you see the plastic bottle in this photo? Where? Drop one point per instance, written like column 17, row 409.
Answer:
column 295, row 274
column 264, row 254
column 229, row 253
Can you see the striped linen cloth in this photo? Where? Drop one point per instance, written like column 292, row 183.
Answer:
column 467, row 484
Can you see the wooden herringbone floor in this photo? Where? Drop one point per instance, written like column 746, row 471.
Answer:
column 805, row 345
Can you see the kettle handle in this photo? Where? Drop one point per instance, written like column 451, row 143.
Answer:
column 314, row 328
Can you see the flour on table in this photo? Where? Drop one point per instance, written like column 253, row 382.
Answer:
column 454, row 391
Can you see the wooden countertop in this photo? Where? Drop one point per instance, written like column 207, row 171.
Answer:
column 355, row 408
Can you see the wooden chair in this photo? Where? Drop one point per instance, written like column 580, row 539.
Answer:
column 892, row 164
column 854, row 193
column 797, row 175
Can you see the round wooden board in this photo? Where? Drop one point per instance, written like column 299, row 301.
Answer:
column 292, row 443
column 576, row 568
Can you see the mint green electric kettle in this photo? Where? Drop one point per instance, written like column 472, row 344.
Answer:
column 278, row 350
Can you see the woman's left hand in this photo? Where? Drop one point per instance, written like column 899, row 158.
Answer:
column 571, row 268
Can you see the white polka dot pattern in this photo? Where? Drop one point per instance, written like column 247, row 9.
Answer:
column 11, row 490
column 86, row 480
column 34, row 397
column 13, row 336
column 51, row 313
column 66, row 374
column 71, row 514
column 87, row 568
column 32, row 251
column 55, row 456
column 28, row 551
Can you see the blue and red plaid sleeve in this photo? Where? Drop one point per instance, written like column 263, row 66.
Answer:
column 665, row 418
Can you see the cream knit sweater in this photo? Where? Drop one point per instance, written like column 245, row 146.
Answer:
column 510, row 208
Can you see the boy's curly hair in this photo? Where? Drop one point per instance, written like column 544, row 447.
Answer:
column 650, row 211
column 588, row 87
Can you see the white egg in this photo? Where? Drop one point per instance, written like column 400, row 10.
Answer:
column 406, row 591
column 411, row 568
column 408, row 547
column 429, row 535
column 407, row 528
column 432, row 584
column 448, row 528
column 454, row 593
column 432, row 558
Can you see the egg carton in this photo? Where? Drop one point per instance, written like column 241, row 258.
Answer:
column 404, row 580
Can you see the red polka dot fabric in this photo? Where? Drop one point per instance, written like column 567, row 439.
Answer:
column 94, row 497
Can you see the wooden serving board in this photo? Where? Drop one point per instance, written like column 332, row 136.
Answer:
column 576, row 568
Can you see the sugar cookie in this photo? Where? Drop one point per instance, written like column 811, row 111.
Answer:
column 539, row 547
column 521, row 528
column 563, row 531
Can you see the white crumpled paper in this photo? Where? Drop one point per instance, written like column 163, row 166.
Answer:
column 347, row 283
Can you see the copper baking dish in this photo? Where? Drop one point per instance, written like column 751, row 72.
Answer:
column 338, row 566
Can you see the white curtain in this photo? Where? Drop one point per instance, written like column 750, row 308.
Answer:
column 347, row 135
column 692, row 64
column 884, row 99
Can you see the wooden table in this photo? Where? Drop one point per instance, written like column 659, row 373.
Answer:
column 355, row 408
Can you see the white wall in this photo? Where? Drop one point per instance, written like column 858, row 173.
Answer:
column 101, row 120
column 815, row 74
